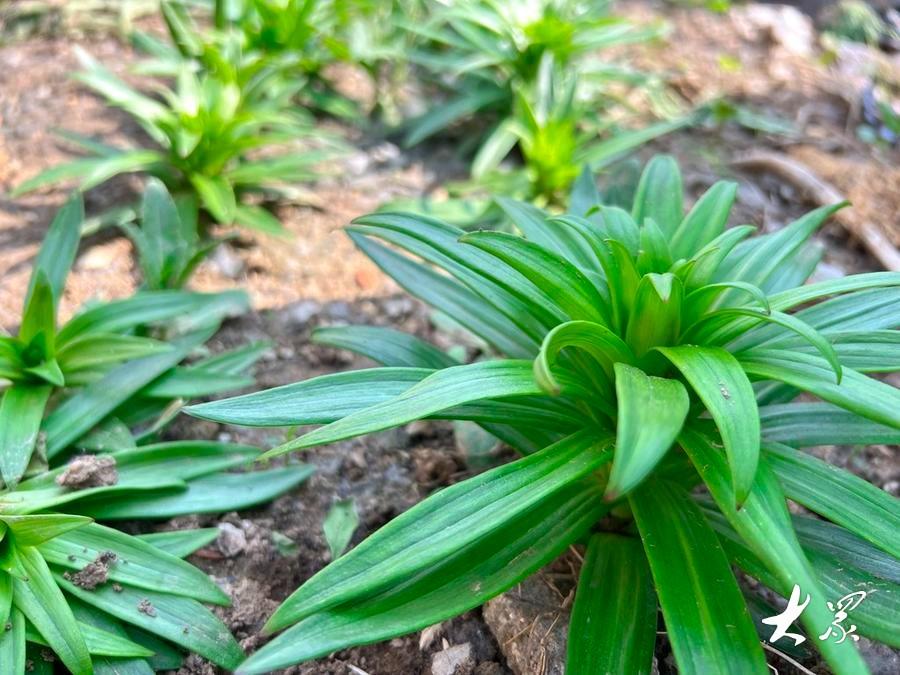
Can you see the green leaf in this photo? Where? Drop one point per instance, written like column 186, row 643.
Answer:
column 192, row 382
column 707, row 622
column 465, row 578
column 216, row 493
column 764, row 524
column 166, row 616
column 655, row 318
column 34, row 530
column 757, row 260
column 181, row 543
column 257, row 218
column 387, row 346
column 90, row 350
column 77, row 415
column 217, row 196
column 437, row 243
column 615, row 578
column 659, row 195
column 99, row 642
column 862, row 395
column 451, row 297
column 720, row 382
column 585, row 195
column 448, row 520
column 848, row 500
column 604, row 346
column 788, row 321
column 443, row 116
column 319, row 400
column 651, row 411
column 37, row 596
column 538, row 228
column 21, row 410
column 38, row 329
column 339, row 525
column 802, row 425
column 138, row 563
column 566, row 284
column 12, row 643
column 606, row 152
column 58, row 249
column 145, row 308
column 443, row 389
column 705, row 221
column 493, row 150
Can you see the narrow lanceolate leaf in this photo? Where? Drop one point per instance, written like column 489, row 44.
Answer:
column 878, row 617
column 857, row 393
column 77, row 415
column 655, row 316
column 720, row 382
column 444, row 389
column 451, row 297
column 214, row 493
column 181, row 543
column 659, row 194
column 339, row 526
column 614, row 582
column 164, row 615
column 137, row 563
column 59, row 248
column 707, row 622
column 37, row 596
column 217, row 196
column 99, row 349
column 802, row 425
column 465, row 578
column 21, row 410
column 705, row 221
column 565, row 283
column 12, row 643
column 765, row 525
column 319, row 400
column 34, row 530
column 386, row 346
column 812, row 337
column 651, row 413
column 454, row 517
column 850, row 501
column 598, row 341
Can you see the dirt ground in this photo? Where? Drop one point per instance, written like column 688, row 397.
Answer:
column 316, row 277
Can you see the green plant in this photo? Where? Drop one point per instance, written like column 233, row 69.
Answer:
column 214, row 135
column 644, row 355
column 485, row 51
column 168, row 240
column 111, row 375
column 100, row 599
column 108, row 602
column 557, row 132
column 43, row 357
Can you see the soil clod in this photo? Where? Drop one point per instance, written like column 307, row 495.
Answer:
column 87, row 471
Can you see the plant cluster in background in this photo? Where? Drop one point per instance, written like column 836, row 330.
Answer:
column 535, row 69
column 640, row 354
